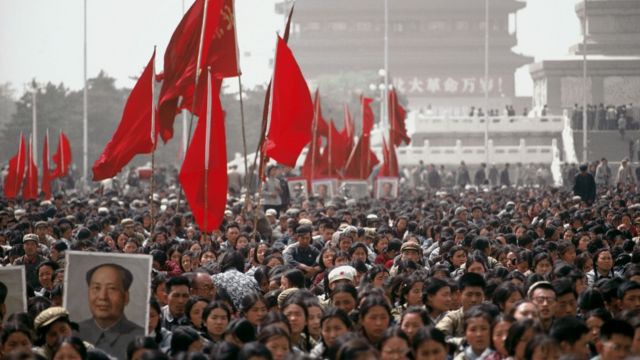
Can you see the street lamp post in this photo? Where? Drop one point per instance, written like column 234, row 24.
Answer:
column 584, row 87
column 486, row 80
column 385, row 99
column 85, row 122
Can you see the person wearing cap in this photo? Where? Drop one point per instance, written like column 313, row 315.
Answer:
column 108, row 328
column 51, row 326
column 409, row 251
column 626, row 175
column 31, row 259
column 584, row 185
column 543, row 295
column 302, row 255
column 477, row 216
column 41, row 229
column 342, row 274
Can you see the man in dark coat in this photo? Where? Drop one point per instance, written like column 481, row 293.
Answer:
column 585, row 185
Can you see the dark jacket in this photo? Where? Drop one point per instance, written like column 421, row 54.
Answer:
column 585, row 187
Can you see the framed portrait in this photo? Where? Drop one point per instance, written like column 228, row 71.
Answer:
column 297, row 188
column 108, row 291
column 387, row 187
column 354, row 189
column 324, row 188
column 13, row 281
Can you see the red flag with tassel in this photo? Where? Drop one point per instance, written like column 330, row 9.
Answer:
column 46, row 173
column 14, row 178
column 204, row 171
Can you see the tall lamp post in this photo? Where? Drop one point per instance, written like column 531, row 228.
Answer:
column 486, row 80
column 85, row 122
column 584, row 86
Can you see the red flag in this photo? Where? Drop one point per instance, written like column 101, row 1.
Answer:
column 390, row 161
column 339, row 149
column 367, row 115
column 311, row 160
column 16, row 172
column 291, row 110
column 62, row 157
column 46, row 173
column 206, row 163
column 136, row 133
column 321, row 126
column 397, row 116
column 218, row 51
column 362, row 160
column 30, row 190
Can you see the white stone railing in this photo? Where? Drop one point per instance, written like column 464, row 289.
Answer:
column 570, row 155
column 472, row 124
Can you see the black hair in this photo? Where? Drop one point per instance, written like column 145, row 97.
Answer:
column 427, row 333
column 190, row 303
column 569, row 329
column 241, row 329
column 540, row 341
column 254, row 349
column 407, row 284
column 471, row 280
column 370, row 302
column 516, row 332
column 626, row 287
column 563, row 287
column 125, row 275
column 353, row 348
column 3, row 292
column 393, row 332
column 477, row 312
column 295, row 278
column 13, row 326
column 182, row 337
column 590, row 299
column 250, row 301
column 503, row 292
column 76, row 343
column 139, row 343
column 272, row 318
column 420, row 311
column 271, row 331
column 232, row 260
column 616, row 327
column 177, row 281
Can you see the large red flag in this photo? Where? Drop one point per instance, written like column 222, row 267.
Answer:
column 137, row 131
column 362, row 160
column 46, row 173
column 367, row 115
column 62, row 157
column 205, row 164
column 291, row 110
column 16, row 172
column 339, row 149
column 30, row 189
column 218, row 51
column 397, row 116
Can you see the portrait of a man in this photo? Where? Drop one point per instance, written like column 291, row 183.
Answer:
column 386, row 188
column 108, row 328
column 13, row 296
column 109, row 295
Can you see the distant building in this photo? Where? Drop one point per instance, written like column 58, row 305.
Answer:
column 436, row 47
column 613, row 60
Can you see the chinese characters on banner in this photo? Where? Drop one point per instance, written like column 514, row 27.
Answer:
column 448, row 85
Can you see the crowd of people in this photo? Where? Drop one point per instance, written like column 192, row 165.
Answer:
column 505, row 269
column 610, row 117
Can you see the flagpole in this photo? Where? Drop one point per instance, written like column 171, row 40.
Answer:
column 153, row 142
column 85, row 121
column 313, row 138
column 61, row 158
column 330, row 146
column 34, row 115
column 207, row 145
column 20, row 158
column 244, row 139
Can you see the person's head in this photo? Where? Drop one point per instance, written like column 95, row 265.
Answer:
column 315, row 312
column 411, row 290
column 303, row 235
column 178, row 295
column 345, row 297
column 232, row 260
column 46, row 273
column 375, row 317
column 185, row 339
column 602, row 261
column 437, row 296
column 296, row 312
column 277, row 340
column 356, row 349
column 499, row 331
column 16, row 336
column 429, row 343
column 335, row 323
column 543, row 295
column 567, row 299
column 394, row 344
column 616, row 337
column 542, row 347
column 413, row 319
column 202, row 285
column 254, row 351
column 216, row 316
column 139, row 346
column 253, row 308
column 292, row 278
column 194, row 309
column 542, row 264
column 108, row 286
column 477, row 329
column 70, row 348
column 520, row 333
column 52, row 325
column 629, row 295
column 506, row 295
column 572, row 334
column 471, row 287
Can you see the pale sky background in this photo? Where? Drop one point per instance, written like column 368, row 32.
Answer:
column 44, row 38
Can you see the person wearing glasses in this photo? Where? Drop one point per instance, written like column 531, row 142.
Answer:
column 543, row 295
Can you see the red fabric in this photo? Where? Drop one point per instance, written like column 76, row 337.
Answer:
column 14, row 178
column 367, row 115
column 193, row 173
column 291, row 110
column 389, row 166
column 311, row 161
column 362, row 160
column 397, row 116
column 30, row 190
column 46, row 173
column 339, row 150
column 219, row 52
column 322, row 127
column 133, row 135
column 62, row 157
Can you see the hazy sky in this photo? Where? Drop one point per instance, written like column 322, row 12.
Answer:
column 43, row 38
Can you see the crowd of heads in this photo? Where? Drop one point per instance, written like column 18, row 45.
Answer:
column 522, row 272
